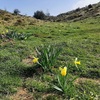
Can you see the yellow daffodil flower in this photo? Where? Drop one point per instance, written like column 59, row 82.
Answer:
column 35, row 60
column 63, row 71
column 77, row 62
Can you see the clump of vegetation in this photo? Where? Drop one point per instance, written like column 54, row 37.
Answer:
column 10, row 34
column 65, row 82
column 78, row 9
column 47, row 55
column 39, row 15
column 16, row 11
column 89, row 6
column 19, row 22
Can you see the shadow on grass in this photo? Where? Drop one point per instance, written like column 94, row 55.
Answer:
column 31, row 71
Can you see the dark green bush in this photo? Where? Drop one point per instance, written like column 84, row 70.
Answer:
column 39, row 15
column 89, row 6
column 16, row 11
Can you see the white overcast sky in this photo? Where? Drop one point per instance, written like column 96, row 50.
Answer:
column 83, row 3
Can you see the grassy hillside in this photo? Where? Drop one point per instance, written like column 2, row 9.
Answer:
column 21, row 79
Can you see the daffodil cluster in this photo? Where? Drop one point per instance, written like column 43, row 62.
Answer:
column 62, row 77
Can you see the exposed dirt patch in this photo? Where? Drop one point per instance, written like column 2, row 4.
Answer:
column 79, row 80
column 47, row 95
column 22, row 94
column 7, row 41
column 27, row 61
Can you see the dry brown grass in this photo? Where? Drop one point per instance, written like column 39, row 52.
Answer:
column 8, row 19
column 22, row 94
column 79, row 80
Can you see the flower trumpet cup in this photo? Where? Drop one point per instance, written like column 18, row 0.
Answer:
column 63, row 71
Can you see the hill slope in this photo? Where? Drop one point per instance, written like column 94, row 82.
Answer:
column 78, row 14
column 7, row 18
column 19, row 75
column 20, row 79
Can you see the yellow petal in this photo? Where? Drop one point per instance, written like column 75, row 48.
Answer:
column 64, row 71
column 78, row 62
column 35, row 60
column 65, row 68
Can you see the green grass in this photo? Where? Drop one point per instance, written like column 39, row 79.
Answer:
column 77, row 39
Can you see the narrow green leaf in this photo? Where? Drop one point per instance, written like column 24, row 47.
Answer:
column 57, row 88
